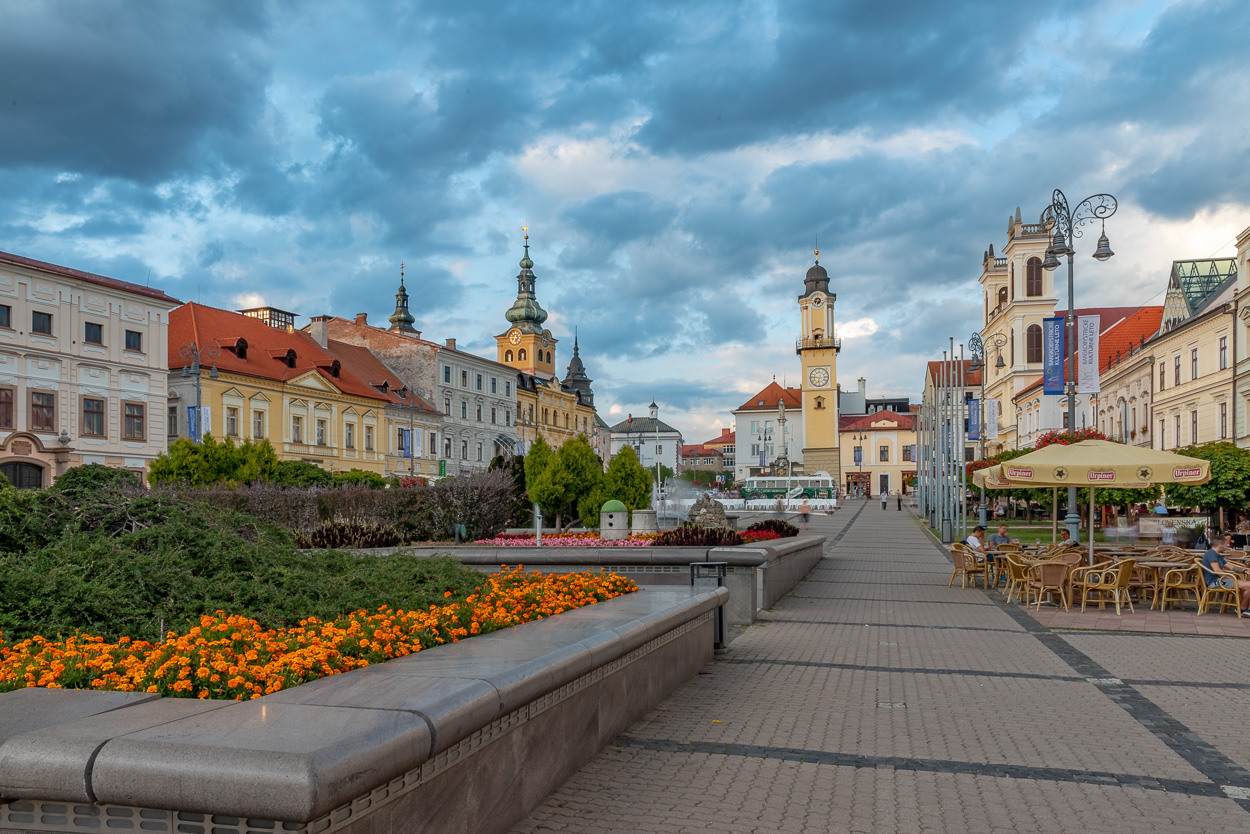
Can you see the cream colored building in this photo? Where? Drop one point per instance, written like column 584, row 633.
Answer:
column 1193, row 394
column 1241, row 343
column 1017, row 294
column 1127, row 398
column 82, row 371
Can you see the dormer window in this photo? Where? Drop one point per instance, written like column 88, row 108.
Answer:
column 290, row 358
column 240, row 348
column 335, row 368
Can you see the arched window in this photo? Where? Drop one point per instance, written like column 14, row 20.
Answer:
column 548, row 357
column 521, row 355
column 1033, row 344
column 507, row 356
column 1033, row 279
column 1002, row 295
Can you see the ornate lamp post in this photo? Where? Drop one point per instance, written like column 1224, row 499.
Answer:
column 1066, row 224
column 411, row 403
column 193, row 357
column 860, row 438
column 977, row 348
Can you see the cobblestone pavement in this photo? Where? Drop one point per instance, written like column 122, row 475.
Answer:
column 876, row 699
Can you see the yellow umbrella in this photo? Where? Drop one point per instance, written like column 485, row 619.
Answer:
column 1100, row 464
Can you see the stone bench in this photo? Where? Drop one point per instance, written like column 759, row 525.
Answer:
column 466, row 737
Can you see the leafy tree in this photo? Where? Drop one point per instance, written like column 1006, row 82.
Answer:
column 1229, row 486
column 210, row 463
column 625, row 481
column 572, row 475
column 665, row 473
column 537, row 460
column 520, row 511
column 301, row 473
column 354, row 477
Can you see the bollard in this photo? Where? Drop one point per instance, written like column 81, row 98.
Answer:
column 712, row 575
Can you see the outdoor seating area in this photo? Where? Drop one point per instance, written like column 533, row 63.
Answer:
column 1138, row 588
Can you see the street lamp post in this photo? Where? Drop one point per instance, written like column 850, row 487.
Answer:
column 193, row 358
column 860, row 438
column 977, row 348
column 1066, row 225
column 410, row 400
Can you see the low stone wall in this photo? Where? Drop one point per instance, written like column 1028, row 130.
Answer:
column 466, row 737
column 757, row 575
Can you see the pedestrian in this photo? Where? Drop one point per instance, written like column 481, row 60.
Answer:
column 885, row 499
column 805, row 509
column 900, row 501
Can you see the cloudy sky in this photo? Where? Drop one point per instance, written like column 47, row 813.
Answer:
column 674, row 161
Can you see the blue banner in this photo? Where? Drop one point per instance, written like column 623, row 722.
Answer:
column 858, row 456
column 405, row 443
column 1052, row 355
column 974, row 419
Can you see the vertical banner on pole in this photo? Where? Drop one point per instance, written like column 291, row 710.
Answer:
column 193, row 424
column 991, row 419
column 974, row 419
column 1052, row 355
column 405, row 443
column 1087, row 354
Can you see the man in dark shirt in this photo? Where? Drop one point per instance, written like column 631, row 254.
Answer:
column 1213, row 560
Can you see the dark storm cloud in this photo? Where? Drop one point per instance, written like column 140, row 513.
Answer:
column 90, row 87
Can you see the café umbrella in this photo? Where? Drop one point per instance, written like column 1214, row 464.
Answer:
column 1094, row 463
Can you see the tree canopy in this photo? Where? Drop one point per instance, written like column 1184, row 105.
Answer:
column 1229, row 486
column 213, row 463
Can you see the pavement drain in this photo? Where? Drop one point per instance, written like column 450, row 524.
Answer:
column 891, row 705
column 1104, row 681
column 1235, row 791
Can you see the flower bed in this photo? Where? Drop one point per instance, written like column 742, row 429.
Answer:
column 753, row 536
column 233, row 657
column 566, row 540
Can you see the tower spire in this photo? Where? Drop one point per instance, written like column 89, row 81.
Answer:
column 402, row 320
column 526, row 313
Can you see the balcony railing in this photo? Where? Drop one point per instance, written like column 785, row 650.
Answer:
column 808, row 344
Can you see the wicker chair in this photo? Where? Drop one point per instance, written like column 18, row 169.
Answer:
column 1017, row 578
column 1180, row 584
column 967, row 563
column 1105, row 579
column 1222, row 597
column 1048, row 576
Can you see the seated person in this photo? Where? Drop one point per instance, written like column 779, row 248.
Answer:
column 974, row 539
column 1213, row 559
column 1000, row 537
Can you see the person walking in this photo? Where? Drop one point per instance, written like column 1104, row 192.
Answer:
column 900, row 501
column 885, row 499
column 805, row 510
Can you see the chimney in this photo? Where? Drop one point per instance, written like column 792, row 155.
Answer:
column 863, row 387
column 724, row 432
column 319, row 329
column 451, row 343
column 362, row 318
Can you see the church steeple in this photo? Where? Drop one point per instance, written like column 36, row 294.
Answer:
column 575, row 379
column 526, row 314
column 402, row 320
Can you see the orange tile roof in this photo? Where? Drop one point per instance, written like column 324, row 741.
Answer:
column 971, row 377
column 267, row 348
column 900, row 422
column 1117, row 333
column 725, row 439
column 364, row 366
column 89, row 277
column 792, row 397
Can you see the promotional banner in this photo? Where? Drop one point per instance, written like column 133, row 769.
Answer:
column 1087, row 328
column 974, row 419
column 858, row 456
column 991, row 419
column 198, row 428
column 405, row 443
column 1052, row 355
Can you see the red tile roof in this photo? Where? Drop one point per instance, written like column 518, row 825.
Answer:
column 897, row 421
column 267, row 348
column 1118, row 333
column 971, row 377
column 364, row 366
column 89, row 277
column 726, row 438
column 793, row 398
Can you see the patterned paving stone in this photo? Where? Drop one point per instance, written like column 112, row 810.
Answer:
column 875, row 698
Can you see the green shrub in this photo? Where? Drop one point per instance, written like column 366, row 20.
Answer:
column 359, row 477
column 301, row 473
column 775, row 525
column 94, row 476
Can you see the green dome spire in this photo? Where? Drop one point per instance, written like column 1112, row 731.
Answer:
column 526, row 313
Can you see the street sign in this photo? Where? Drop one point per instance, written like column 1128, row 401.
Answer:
column 442, row 468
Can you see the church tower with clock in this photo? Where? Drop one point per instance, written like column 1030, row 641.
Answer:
column 818, row 349
column 527, row 345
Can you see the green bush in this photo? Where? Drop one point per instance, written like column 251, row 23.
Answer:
column 94, row 476
column 301, row 473
column 351, row 534
column 359, row 477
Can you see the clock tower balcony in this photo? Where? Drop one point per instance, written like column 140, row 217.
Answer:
column 812, row 344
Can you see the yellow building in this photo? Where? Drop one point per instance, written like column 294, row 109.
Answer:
column 878, row 452
column 545, row 405
column 253, row 376
column 818, row 349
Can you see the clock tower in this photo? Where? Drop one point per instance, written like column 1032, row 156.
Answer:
column 527, row 345
column 818, row 349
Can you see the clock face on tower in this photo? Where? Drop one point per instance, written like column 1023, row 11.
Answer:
column 818, row 377
column 546, row 339
column 817, row 301
column 515, row 337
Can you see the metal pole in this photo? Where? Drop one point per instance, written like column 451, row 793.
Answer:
column 1073, row 519
column 962, row 473
column 412, row 437
column 944, row 454
column 983, row 516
